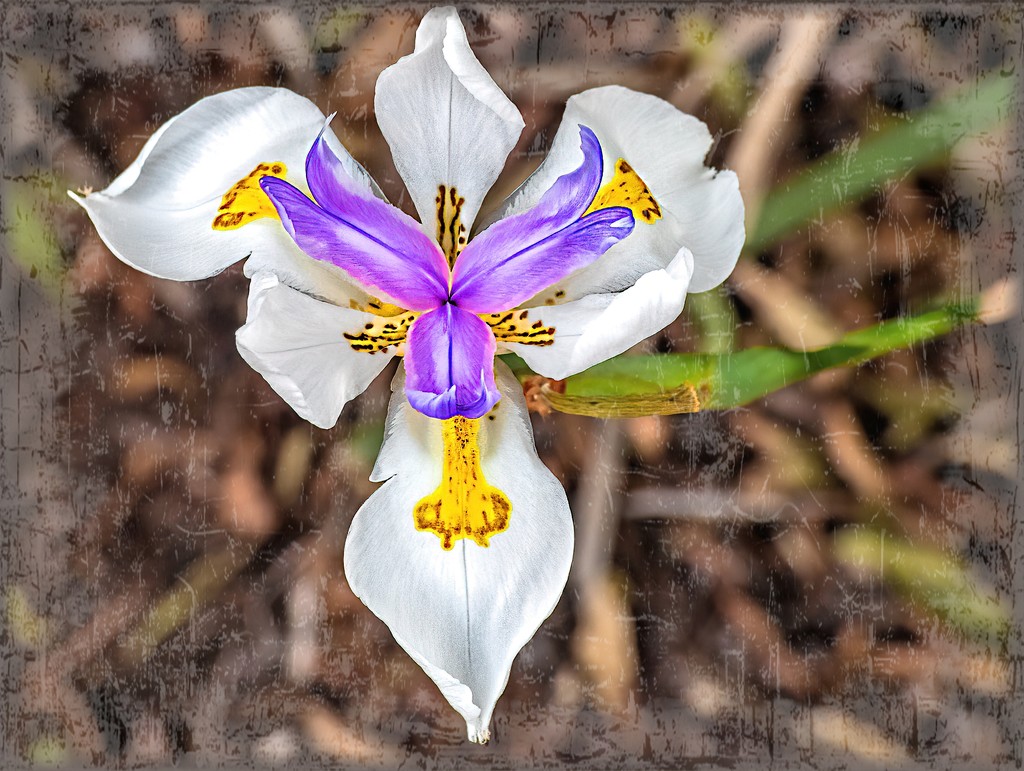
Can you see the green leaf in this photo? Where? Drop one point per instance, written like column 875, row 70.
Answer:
column 335, row 31
column 48, row 751
column 929, row 578
column 28, row 230
column 853, row 173
column 713, row 315
column 27, row 627
column 665, row 384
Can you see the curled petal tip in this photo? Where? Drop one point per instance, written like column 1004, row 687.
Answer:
column 450, row 363
column 588, row 139
column 440, row 406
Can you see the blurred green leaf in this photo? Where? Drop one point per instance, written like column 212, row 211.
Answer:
column 912, row 406
column 201, row 583
column 367, row 438
column 850, row 174
column 713, row 315
column 48, row 752
column 519, row 367
column 26, row 626
column 665, row 383
column 337, row 29
column 929, row 578
column 28, row 229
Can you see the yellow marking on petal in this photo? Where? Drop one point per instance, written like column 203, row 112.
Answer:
column 463, row 505
column 246, row 201
column 379, row 307
column 451, row 233
column 626, row 189
column 383, row 334
column 518, row 327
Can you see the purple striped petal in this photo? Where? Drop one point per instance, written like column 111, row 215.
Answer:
column 449, row 363
column 376, row 244
column 516, row 258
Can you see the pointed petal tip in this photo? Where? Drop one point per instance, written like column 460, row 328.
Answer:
column 588, row 137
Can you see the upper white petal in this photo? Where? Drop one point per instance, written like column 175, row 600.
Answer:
column 446, row 120
column 462, row 615
column 596, row 327
column 296, row 343
column 702, row 209
column 157, row 215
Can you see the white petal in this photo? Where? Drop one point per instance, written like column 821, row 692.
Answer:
column 157, row 215
column 296, row 343
column 446, row 121
column 464, row 614
column 296, row 269
column 702, row 208
column 597, row 327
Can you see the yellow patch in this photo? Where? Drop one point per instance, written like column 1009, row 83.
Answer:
column 463, row 505
column 451, row 233
column 626, row 189
column 246, row 201
column 381, row 335
column 518, row 327
column 378, row 307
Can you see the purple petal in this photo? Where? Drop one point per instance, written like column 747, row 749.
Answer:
column 331, row 184
column 449, row 364
column 375, row 243
column 514, row 259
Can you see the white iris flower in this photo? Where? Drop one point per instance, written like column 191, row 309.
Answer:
column 465, row 548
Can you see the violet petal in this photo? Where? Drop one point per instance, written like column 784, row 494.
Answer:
column 377, row 245
column 516, row 258
column 449, row 361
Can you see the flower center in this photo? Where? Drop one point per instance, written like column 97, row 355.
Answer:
column 381, row 334
column 464, row 505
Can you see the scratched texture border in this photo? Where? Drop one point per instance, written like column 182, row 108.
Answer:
column 36, row 339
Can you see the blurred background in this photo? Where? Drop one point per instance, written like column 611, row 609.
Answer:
column 824, row 577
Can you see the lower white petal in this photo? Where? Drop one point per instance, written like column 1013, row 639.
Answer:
column 463, row 614
column 596, row 327
column 296, row 343
column 158, row 215
column 701, row 209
